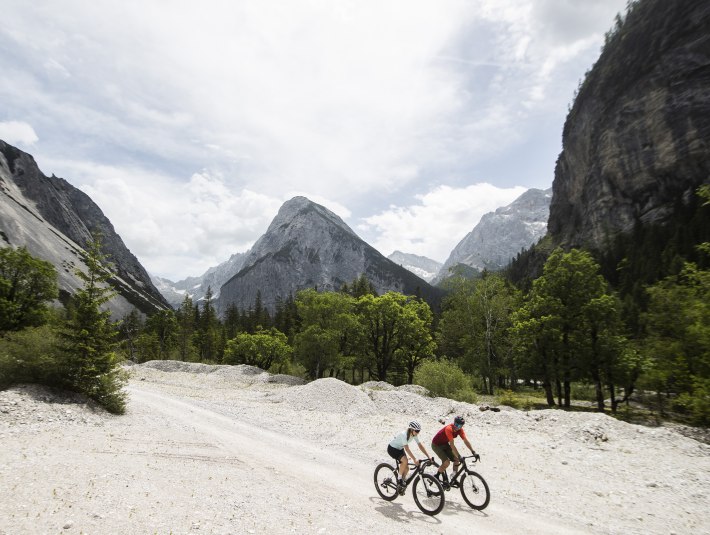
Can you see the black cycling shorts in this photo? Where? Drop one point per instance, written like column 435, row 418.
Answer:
column 395, row 453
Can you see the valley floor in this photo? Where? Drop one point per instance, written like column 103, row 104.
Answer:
column 229, row 450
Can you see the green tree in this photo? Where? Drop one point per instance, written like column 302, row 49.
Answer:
column 571, row 317
column 130, row 329
column 208, row 328
column 390, row 324
column 185, row 316
column 329, row 329
column 677, row 342
column 475, row 327
column 89, row 338
column 27, row 284
column 536, row 334
column 164, row 325
column 263, row 349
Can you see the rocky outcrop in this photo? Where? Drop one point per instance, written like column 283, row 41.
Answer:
column 54, row 220
column 637, row 140
column 421, row 266
column 308, row 246
column 502, row 234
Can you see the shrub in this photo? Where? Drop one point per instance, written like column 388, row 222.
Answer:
column 445, row 379
column 510, row 399
column 697, row 404
column 31, row 355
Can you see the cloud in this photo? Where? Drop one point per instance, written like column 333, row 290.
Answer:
column 190, row 125
column 437, row 222
column 17, row 133
column 175, row 229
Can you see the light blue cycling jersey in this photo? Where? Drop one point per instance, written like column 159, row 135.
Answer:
column 400, row 440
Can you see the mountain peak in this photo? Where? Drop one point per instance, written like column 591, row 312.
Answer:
column 301, row 210
column 308, row 246
column 500, row 235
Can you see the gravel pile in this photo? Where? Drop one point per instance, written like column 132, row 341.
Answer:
column 241, row 373
column 34, row 406
column 329, row 395
column 382, row 385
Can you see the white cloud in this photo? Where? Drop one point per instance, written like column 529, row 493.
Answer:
column 349, row 103
column 435, row 225
column 17, row 133
column 176, row 230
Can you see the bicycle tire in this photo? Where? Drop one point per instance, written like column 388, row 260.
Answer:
column 474, row 490
column 386, row 481
column 428, row 494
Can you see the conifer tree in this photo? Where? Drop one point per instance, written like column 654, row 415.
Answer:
column 89, row 339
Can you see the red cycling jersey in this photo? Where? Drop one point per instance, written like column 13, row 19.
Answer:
column 446, row 434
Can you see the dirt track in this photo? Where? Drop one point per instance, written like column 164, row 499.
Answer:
column 196, row 455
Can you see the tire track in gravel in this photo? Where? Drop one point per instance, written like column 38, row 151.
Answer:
column 317, row 483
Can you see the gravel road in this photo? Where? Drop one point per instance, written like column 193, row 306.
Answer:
column 214, row 449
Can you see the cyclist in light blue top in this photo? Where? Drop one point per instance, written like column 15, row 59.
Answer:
column 399, row 444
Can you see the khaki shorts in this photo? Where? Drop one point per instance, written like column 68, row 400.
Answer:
column 444, row 452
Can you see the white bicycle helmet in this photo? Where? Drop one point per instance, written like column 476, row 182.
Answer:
column 415, row 425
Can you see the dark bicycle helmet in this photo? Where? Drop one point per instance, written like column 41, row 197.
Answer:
column 459, row 421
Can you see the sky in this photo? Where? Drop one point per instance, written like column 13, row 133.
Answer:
column 190, row 123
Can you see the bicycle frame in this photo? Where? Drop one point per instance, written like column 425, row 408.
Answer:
column 463, row 467
column 414, row 470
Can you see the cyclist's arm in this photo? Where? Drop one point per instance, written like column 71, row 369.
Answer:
column 453, row 448
column 468, row 445
column 411, row 455
column 424, row 451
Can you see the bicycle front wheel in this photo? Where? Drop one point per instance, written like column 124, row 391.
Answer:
column 386, row 481
column 428, row 494
column 474, row 490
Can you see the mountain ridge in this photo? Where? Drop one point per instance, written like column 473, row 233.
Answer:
column 55, row 221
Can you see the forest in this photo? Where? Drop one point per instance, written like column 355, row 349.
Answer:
column 606, row 328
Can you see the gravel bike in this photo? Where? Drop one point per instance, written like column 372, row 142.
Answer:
column 473, row 487
column 427, row 490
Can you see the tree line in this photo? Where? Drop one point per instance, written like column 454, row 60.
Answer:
column 567, row 327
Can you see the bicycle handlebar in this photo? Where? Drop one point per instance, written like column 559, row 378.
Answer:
column 476, row 458
column 423, row 463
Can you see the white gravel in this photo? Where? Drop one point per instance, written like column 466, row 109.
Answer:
column 233, row 449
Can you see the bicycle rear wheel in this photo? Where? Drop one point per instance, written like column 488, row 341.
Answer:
column 474, row 490
column 428, row 494
column 386, row 481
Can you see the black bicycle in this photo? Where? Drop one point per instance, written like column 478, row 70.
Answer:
column 473, row 487
column 427, row 490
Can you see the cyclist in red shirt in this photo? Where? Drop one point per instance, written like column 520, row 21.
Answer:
column 443, row 445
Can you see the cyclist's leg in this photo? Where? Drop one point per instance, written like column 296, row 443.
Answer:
column 401, row 458
column 442, row 454
column 403, row 466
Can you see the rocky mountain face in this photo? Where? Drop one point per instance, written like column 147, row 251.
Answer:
column 308, row 246
column 421, row 266
column 54, row 220
column 196, row 287
column 500, row 235
column 637, row 140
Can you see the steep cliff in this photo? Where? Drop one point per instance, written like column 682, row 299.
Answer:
column 54, row 220
column 308, row 246
column 637, row 139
